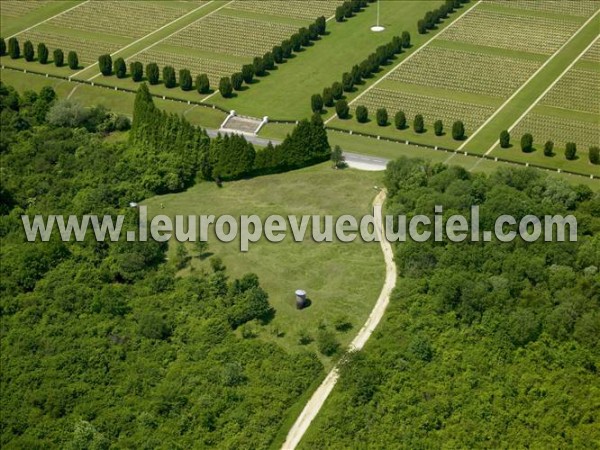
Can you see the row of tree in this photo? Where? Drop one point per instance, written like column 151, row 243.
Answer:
column 349, row 8
column 152, row 71
column 14, row 52
column 570, row 147
column 433, row 18
column 222, row 158
column 400, row 121
column 334, row 95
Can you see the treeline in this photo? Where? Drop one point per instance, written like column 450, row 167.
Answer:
column 401, row 123
column 103, row 344
column 350, row 8
column 43, row 53
column 485, row 344
column 225, row 157
column 334, row 96
column 433, row 18
column 570, row 147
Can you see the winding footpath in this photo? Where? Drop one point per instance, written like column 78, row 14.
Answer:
column 314, row 405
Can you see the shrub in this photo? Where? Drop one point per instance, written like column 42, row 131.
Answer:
column 328, row 97
column 347, row 82
column 419, row 124
column 304, row 338
column 73, row 60
column 269, row 61
column 43, row 53
column 342, row 323
column 327, row 343
column 2, row 47
column 28, row 52
column 438, row 128
column 14, row 50
column 504, row 139
column 185, row 80
column 59, row 57
column 549, row 148
column 105, row 65
column 458, row 130
column 169, row 79
column 405, row 39
column 316, row 103
column 202, row 84
column 337, row 90
column 237, row 81
column 362, row 114
column 137, row 71
column 571, row 151
column 527, row 143
column 277, row 54
column 152, row 73
column 382, row 117
column 248, row 73
column 120, row 68
column 400, row 120
column 259, row 67
column 342, row 109
column 594, row 155
column 225, row 87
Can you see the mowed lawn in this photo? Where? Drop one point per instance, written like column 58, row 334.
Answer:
column 341, row 279
column 286, row 92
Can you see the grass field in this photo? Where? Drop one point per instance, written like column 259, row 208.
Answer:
column 340, row 278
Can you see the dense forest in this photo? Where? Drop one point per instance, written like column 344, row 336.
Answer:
column 102, row 346
column 484, row 345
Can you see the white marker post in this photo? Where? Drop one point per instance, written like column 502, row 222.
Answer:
column 377, row 28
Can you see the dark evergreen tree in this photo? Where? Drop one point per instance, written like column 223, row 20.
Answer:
column 527, row 143
column 202, row 84
column 120, row 68
column 321, row 24
column 347, row 82
column 313, row 32
column 438, row 128
column 382, row 117
column 168, row 76
column 248, row 73
column 237, row 81
column 14, row 50
column 28, row 52
column 259, row 67
column 419, row 124
column 269, row 61
column 137, row 71
column 43, row 53
column 571, row 151
column 296, row 41
column 277, row 54
column 232, row 156
column 306, row 145
column 185, row 80
column 504, row 139
column 105, row 65
column 421, row 27
column 337, row 90
column 2, row 47
column 152, row 73
column 287, row 48
column 225, row 87
column 316, row 103
column 328, row 97
column 304, row 36
column 342, row 109
column 458, row 131
column 400, row 120
column 73, row 60
column 405, row 39
column 339, row 14
column 549, row 148
column 59, row 57
column 362, row 114
column 594, row 155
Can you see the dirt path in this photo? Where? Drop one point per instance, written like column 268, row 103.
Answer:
column 317, row 400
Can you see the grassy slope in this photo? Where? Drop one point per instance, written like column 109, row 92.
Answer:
column 339, row 278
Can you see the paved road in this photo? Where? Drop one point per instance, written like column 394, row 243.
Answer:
column 314, row 405
column 354, row 160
